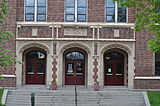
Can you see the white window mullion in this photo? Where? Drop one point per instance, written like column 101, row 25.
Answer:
column 116, row 11
column 35, row 11
column 76, row 4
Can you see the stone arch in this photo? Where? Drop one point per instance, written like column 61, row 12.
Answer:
column 71, row 46
column 33, row 45
column 21, row 52
column 124, row 50
column 120, row 46
column 75, row 45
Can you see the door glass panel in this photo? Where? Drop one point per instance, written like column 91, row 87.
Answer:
column 30, row 69
column 119, row 69
column 70, row 69
column 79, row 69
column 40, row 68
column 109, row 69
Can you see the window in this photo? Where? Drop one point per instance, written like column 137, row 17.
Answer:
column 35, row 10
column 157, row 64
column 75, row 11
column 114, row 12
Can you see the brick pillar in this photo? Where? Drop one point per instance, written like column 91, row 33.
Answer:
column 95, row 70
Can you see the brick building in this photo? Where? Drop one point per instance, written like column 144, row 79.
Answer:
column 78, row 41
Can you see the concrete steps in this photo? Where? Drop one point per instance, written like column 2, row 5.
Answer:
column 65, row 97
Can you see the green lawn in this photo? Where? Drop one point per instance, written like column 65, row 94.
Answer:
column 154, row 98
column 1, row 93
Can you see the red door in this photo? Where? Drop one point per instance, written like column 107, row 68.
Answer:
column 35, row 69
column 74, row 69
column 114, row 69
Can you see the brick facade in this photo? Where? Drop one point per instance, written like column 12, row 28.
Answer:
column 100, row 34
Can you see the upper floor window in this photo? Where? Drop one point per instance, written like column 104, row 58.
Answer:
column 75, row 10
column 114, row 12
column 35, row 10
column 157, row 64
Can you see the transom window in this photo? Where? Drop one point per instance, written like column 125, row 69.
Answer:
column 114, row 56
column 114, row 12
column 157, row 64
column 74, row 56
column 36, row 55
column 35, row 10
column 75, row 11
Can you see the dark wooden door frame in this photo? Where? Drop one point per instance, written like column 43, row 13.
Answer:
column 35, row 76
column 74, row 72
column 113, row 63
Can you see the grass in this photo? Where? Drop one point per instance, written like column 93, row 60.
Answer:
column 1, row 93
column 154, row 98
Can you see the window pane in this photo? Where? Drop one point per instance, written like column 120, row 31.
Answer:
column 119, row 68
column 81, row 10
column 157, row 64
column 157, row 68
column 121, row 14
column 29, row 10
column 110, row 19
column 81, row 18
column 41, row 17
column 110, row 3
column 29, row 17
column 70, row 18
column 109, row 69
column 122, row 18
column 81, row 2
column 30, row 69
column 41, row 67
column 121, row 11
column 110, row 11
column 70, row 69
column 41, row 10
column 69, row 10
column 41, row 2
column 30, row 2
column 79, row 69
column 69, row 2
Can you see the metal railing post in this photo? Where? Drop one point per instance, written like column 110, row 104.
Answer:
column 75, row 91
column 32, row 99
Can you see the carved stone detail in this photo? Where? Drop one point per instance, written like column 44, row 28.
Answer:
column 75, row 31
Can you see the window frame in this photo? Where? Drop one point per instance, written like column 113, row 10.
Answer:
column 76, row 11
column 116, row 13
column 35, row 12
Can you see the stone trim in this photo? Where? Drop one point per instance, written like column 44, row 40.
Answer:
column 146, row 99
column 9, row 76
column 79, row 24
column 74, row 39
column 146, row 78
column 4, row 97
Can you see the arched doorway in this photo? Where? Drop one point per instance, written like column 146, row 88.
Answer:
column 75, row 66
column 114, row 68
column 35, row 67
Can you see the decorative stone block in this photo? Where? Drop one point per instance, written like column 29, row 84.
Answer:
column 75, row 31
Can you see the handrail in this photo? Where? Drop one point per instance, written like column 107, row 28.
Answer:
column 75, row 84
column 32, row 99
